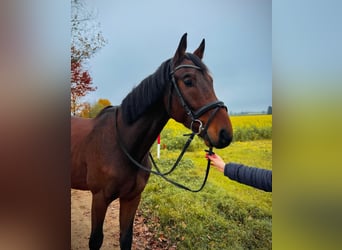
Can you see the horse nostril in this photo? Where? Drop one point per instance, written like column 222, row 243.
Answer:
column 225, row 138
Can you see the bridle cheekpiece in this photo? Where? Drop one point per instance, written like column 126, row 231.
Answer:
column 194, row 115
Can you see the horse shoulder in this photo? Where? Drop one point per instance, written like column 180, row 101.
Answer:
column 80, row 128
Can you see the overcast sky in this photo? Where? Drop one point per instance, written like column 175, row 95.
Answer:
column 142, row 34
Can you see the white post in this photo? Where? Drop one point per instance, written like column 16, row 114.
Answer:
column 158, row 147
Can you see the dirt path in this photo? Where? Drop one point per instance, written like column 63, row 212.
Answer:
column 80, row 222
column 144, row 238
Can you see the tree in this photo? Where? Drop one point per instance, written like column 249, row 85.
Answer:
column 85, row 109
column 98, row 106
column 90, row 111
column 86, row 40
column 86, row 36
column 104, row 102
column 80, row 85
column 269, row 110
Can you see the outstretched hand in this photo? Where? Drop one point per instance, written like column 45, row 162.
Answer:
column 216, row 161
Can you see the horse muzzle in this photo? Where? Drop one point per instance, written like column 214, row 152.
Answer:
column 217, row 131
column 223, row 140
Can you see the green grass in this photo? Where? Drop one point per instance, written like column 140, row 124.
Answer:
column 224, row 215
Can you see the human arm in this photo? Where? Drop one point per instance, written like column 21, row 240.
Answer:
column 251, row 176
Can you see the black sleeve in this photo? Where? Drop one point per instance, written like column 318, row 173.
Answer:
column 251, row 176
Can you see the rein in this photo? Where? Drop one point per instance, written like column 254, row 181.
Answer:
column 194, row 117
column 158, row 173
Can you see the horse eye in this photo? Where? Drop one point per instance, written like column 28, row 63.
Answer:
column 188, row 82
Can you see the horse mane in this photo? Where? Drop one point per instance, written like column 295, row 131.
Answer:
column 150, row 89
column 146, row 93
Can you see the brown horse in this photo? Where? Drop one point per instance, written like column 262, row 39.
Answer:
column 182, row 89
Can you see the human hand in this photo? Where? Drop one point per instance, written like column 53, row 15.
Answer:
column 216, row 161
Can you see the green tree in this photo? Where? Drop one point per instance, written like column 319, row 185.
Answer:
column 85, row 110
column 90, row 111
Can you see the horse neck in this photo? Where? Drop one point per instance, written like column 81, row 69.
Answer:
column 142, row 133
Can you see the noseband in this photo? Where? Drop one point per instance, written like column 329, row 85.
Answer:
column 194, row 115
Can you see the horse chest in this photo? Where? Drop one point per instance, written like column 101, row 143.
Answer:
column 133, row 185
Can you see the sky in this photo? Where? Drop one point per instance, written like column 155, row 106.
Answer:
column 142, row 34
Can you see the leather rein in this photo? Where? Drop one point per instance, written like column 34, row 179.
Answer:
column 194, row 115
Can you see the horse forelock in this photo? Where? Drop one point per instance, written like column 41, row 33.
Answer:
column 197, row 61
column 146, row 93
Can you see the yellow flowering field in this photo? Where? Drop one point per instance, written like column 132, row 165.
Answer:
column 245, row 128
column 251, row 120
column 252, row 127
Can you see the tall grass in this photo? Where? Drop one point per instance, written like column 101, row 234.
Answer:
column 225, row 214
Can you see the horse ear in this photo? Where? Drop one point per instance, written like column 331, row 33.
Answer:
column 180, row 50
column 200, row 50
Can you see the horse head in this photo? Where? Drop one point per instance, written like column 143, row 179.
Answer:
column 192, row 99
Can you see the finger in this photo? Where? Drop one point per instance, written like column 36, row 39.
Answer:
column 208, row 156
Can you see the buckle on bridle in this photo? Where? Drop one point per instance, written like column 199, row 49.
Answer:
column 200, row 126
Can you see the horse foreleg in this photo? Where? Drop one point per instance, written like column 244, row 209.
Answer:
column 127, row 213
column 98, row 212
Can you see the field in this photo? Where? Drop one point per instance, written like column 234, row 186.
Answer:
column 225, row 214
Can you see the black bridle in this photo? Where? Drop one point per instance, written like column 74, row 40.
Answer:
column 195, row 115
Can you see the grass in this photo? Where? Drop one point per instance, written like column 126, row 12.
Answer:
column 225, row 214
